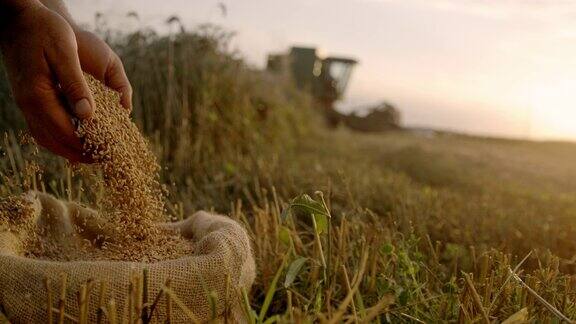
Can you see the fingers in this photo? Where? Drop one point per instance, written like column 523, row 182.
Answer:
column 43, row 107
column 46, row 139
column 65, row 64
column 117, row 80
column 52, row 126
column 46, row 80
column 100, row 61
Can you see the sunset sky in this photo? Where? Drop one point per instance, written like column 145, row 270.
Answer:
column 495, row 67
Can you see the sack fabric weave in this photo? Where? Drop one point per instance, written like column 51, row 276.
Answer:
column 221, row 265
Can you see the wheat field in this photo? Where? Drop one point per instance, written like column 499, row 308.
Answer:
column 346, row 227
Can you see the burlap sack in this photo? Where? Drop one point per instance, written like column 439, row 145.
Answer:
column 222, row 263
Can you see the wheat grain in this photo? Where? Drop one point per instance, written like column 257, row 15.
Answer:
column 133, row 201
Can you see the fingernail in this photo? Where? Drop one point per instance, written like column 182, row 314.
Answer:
column 82, row 109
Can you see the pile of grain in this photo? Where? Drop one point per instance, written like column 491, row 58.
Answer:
column 133, row 201
column 16, row 214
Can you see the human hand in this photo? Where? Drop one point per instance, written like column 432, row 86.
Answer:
column 40, row 53
column 44, row 58
column 98, row 59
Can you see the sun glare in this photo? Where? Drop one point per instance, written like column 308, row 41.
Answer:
column 552, row 108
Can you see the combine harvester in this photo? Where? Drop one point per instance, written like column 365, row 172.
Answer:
column 326, row 79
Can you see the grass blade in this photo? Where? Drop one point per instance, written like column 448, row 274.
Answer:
column 271, row 291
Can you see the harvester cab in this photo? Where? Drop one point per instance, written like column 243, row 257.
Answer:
column 325, row 78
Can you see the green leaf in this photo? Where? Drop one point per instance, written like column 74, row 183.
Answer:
column 387, row 249
column 270, row 293
column 321, row 223
column 293, row 271
column 308, row 205
column 403, row 297
column 360, row 304
column 284, row 236
column 318, row 302
column 250, row 313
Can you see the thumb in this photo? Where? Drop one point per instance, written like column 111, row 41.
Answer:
column 66, row 67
